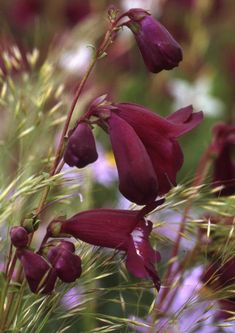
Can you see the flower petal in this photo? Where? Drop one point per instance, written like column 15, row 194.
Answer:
column 177, row 124
column 140, row 255
column 66, row 264
column 185, row 119
column 137, row 179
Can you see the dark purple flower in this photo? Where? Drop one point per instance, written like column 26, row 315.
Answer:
column 23, row 13
column 137, row 179
column 19, row 236
column 81, row 148
column 65, row 262
column 157, row 46
column 145, row 148
column 123, row 230
column 223, row 147
column 39, row 275
column 75, row 11
column 158, row 136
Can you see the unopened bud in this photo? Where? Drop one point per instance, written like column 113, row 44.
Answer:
column 19, row 236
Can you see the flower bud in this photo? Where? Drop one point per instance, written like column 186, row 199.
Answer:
column 19, row 236
column 158, row 48
column 81, row 148
column 66, row 264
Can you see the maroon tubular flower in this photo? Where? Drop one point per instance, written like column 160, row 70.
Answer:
column 123, row 230
column 19, row 236
column 224, row 164
column 81, row 148
column 147, row 154
column 40, row 276
column 66, row 264
column 158, row 48
column 132, row 162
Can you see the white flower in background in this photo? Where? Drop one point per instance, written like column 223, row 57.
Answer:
column 152, row 5
column 76, row 60
column 198, row 94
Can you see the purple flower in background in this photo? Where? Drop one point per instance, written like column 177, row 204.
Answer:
column 224, row 165
column 158, row 48
column 104, row 168
column 72, row 298
column 171, row 226
column 187, row 313
column 81, row 148
column 122, row 230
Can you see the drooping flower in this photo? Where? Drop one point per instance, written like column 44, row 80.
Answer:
column 144, row 144
column 39, row 274
column 132, row 162
column 157, row 46
column 159, row 138
column 123, row 230
column 223, row 147
column 66, row 264
column 145, row 148
column 81, row 148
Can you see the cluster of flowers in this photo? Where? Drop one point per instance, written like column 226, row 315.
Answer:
column 148, row 158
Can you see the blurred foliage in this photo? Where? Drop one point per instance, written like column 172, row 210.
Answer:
column 38, row 39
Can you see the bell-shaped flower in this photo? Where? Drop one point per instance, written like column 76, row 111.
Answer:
column 39, row 275
column 81, row 148
column 123, row 230
column 157, row 46
column 223, row 147
column 144, row 144
column 65, row 262
column 158, row 137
